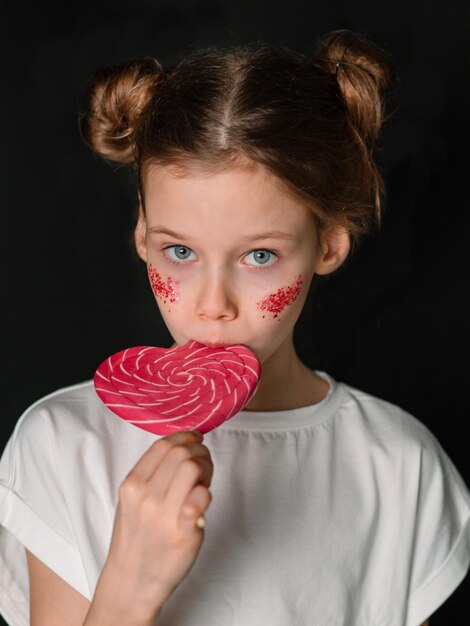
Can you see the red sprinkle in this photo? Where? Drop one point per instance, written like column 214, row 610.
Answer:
column 168, row 289
column 285, row 296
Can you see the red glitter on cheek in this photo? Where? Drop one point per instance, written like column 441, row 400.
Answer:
column 168, row 289
column 285, row 296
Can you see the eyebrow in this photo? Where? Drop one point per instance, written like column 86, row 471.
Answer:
column 271, row 234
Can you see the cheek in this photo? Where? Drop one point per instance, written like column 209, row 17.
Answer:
column 163, row 289
column 276, row 302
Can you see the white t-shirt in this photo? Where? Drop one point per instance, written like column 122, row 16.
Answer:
column 344, row 513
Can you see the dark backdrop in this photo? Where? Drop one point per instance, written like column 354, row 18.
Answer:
column 393, row 321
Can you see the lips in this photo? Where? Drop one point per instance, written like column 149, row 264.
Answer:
column 218, row 344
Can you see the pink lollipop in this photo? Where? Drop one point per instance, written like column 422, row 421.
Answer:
column 190, row 387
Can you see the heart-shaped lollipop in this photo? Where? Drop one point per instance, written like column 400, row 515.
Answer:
column 189, row 387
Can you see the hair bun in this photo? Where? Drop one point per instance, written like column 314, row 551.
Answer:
column 364, row 74
column 114, row 103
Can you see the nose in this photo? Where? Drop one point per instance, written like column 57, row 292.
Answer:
column 216, row 299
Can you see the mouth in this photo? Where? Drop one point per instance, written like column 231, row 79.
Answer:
column 217, row 344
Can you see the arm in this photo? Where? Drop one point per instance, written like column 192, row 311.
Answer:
column 69, row 607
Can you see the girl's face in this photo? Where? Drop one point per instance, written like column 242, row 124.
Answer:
column 230, row 255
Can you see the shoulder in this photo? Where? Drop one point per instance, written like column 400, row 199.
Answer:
column 67, row 427
column 51, row 422
column 401, row 446
column 75, row 399
column 384, row 420
column 71, row 409
column 396, row 442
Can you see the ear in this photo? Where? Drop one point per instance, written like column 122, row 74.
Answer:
column 140, row 235
column 334, row 247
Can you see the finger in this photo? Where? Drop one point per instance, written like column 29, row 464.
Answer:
column 151, row 459
column 161, row 479
column 192, row 512
column 190, row 473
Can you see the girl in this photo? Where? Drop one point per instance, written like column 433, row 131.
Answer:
column 323, row 505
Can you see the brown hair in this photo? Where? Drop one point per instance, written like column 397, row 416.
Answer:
column 312, row 121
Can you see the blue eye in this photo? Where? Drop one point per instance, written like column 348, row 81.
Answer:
column 182, row 253
column 262, row 257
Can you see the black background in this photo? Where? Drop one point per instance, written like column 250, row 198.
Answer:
column 393, row 321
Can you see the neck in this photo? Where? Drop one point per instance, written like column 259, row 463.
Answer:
column 286, row 383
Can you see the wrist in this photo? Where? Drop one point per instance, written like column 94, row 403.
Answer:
column 103, row 612
column 116, row 603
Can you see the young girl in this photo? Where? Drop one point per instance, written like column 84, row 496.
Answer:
column 322, row 505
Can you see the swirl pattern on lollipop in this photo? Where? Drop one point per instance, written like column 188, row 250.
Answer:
column 189, row 387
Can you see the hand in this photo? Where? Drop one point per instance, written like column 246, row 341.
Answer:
column 155, row 538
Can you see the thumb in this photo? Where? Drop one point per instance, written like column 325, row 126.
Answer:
column 195, row 507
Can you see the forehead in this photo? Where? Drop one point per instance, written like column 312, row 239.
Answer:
column 237, row 196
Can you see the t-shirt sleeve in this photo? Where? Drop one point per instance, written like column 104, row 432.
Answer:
column 33, row 515
column 441, row 546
